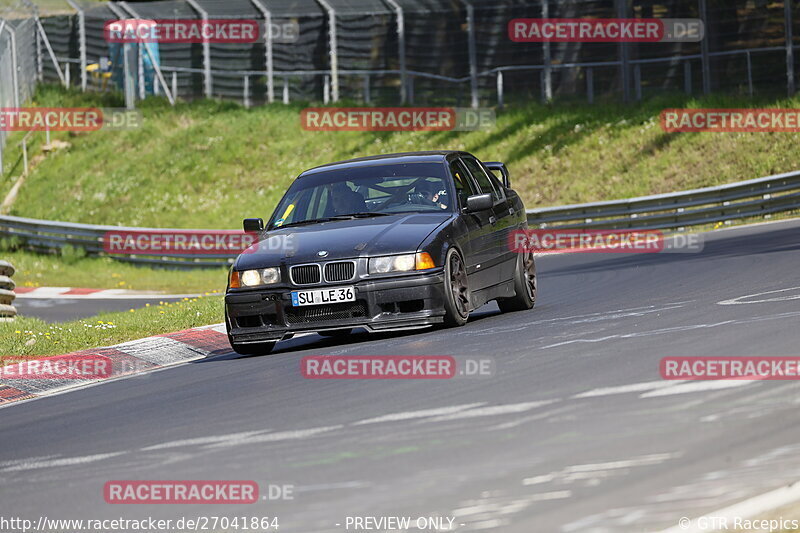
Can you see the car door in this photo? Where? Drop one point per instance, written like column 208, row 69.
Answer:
column 475, row 226
column 500, row 259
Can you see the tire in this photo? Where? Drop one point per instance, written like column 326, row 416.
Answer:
column 456, row 290
column 524, row 285
column 336, row 332
column 259, row 348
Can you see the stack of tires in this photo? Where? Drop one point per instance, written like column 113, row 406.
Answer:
column 7, row 310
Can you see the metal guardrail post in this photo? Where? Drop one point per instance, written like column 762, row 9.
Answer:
column 401, row 49
column 7, row 296
column 82, row 42
column 473, row 53
column 209, row 85
column 333, row 46
column 500, row 90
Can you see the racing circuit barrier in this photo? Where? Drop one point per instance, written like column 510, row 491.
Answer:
column 7, row 296
column 756, row 198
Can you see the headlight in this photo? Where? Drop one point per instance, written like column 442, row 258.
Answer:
column 255, row 278
column 400, row 263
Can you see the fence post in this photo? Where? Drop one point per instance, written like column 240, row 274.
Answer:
column 787, row 9
column 473, row 53
column 410, row 90
column 590, row 84
column 401, row 48
column 286, row 90
column 268, row 51
column 209, row 84
column 704, row 48
column 159, row 78
column 333, row 46
column 82, row 42
column 500, row 90
column 39, row 65
column 14, row 79
column 687, row 77
column 7, row 296
column 749, row 75
column 624, row 57
column 547, row 73
column 174, row 85
column 637, row 80
column 367, row 89
column 326, row 89
column 247, row 92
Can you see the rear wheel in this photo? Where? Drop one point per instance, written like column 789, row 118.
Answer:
column 456, row 290
column 524, row 285
column 336, row 332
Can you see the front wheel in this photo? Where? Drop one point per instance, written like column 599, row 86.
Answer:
column 524, row 285
column 456, row 290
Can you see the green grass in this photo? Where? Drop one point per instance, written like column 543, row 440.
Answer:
column 35, row 270
column 28, row 337
column 209, row 164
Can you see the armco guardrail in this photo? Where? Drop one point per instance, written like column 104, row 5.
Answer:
column 747, row 199
column 7, row 296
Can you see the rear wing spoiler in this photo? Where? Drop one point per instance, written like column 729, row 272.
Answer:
column 496, row 166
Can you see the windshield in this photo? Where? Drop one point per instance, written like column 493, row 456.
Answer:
column 365, row 191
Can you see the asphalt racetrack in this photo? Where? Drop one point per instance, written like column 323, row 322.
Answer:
column 575, row 431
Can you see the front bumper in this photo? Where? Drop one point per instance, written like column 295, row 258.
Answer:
column 381, row 304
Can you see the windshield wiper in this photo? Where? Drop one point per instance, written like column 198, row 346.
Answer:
column 361, row 215
column 303, row 223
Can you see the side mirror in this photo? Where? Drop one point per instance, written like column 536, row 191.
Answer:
column 253, row 225
column 496, row 166
column 479, row 202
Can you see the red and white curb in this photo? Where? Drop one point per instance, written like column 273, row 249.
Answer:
column 127, row 359
column 69, row 293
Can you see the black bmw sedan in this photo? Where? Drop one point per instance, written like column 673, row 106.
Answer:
column 388, row 242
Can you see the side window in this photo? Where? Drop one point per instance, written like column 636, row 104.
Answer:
column 464, row 186
column 482, row 178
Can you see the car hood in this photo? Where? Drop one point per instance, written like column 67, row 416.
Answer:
column 342, row 239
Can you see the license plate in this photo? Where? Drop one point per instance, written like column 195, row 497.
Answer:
column 323, row 296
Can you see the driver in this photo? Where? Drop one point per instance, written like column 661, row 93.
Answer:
column 430, row 193
column 346, row 201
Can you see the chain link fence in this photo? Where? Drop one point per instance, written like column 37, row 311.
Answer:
column 453, row 52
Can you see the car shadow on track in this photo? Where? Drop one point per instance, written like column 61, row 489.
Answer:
column 359, row 336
